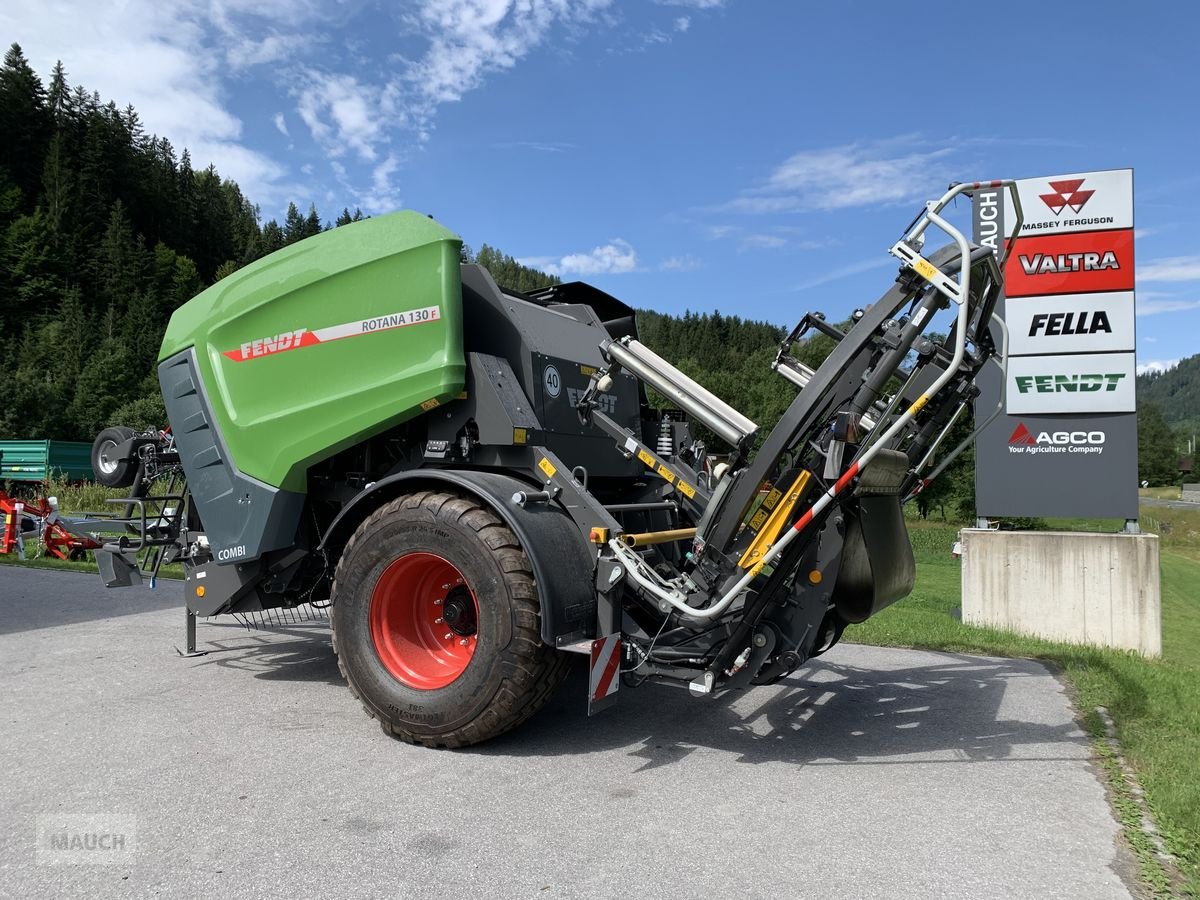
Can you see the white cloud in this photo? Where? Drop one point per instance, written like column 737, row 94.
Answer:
column 1156, row 365
column 180, row 64
column 540, row 146
column 1172, row 268
column 615, row 257
column 471, row 39
column 694, row 4
column 866, row 265
column 850, row 175
column 761, row 242
column 685, row 263
column 244, row 53
column 683, row 23
column 164, row 58
column 383, row 196
column 1153, row 305
column 341, row 113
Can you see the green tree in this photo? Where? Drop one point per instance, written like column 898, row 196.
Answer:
column 1157, row 460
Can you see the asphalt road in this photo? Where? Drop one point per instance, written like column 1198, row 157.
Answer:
column 251, row 772
column 1169, row 504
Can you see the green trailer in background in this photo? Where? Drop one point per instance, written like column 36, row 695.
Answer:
column 40, row 460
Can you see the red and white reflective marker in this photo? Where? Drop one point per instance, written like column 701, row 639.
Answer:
column 604, row 672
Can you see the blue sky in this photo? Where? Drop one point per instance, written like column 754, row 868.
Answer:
column 752, row 157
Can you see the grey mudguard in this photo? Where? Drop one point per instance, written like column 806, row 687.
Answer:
column 242, row 517
column 561, row 559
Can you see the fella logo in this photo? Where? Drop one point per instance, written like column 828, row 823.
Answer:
column 1057, row 324
column 1067, row 195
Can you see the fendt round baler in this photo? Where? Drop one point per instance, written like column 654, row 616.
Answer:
column 472, row 479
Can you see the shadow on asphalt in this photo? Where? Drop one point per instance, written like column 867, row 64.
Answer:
column 828, row 713
column 296, row 652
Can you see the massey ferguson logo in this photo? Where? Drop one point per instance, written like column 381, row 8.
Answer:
column 1025, row 441
column 1067, row 195
column 1058, row 263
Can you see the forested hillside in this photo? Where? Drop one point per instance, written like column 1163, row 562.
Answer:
column 1176, row 392
column 105, row 230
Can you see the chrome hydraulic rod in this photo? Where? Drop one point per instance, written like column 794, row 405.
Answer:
column 959, row 293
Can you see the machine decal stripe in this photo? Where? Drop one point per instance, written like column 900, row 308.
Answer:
column 303, row 337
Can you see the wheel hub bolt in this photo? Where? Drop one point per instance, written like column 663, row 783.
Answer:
column 449, row 636
column 465, row 641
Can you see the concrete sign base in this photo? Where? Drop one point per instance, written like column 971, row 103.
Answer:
column 1099, row 589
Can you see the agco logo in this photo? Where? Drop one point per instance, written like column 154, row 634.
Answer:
column 1067, row 195
column 1024, row 441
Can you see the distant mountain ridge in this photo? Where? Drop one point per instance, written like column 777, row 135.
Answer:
column 1176, row 392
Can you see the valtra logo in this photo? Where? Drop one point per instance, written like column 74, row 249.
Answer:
column 1067, row 195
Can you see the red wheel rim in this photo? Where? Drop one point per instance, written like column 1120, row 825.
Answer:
column 423, row 620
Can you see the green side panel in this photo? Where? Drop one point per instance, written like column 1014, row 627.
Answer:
column 33, row 460
column 326, row 342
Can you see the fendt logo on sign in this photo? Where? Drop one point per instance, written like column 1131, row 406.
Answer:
column 1073, row 383
column 1067, row 194
column 1070, row 264
column 1025, row 441
column 1056, row 384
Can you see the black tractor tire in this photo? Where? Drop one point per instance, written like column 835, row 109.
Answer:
column 112, row 472
column 510, row 673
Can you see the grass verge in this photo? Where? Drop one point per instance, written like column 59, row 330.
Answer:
column 1154, row 703
column 174, row 571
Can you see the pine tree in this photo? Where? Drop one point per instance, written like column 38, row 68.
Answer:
column 25, row 123
column 1157, row 459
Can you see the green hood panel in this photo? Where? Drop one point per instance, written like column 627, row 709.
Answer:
column 322, row 344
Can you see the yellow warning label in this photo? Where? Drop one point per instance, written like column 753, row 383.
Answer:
column 772, row 498
column 757, row 519
column 686, row 489
column 546, row 466
column 587, row 370
column 647, row 458
column 461, row 395
column 925, row 268
column 430, row 404
column 519, row 436
column 667, row 474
